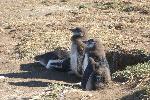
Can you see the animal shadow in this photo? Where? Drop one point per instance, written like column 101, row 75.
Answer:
column 138, row 95
column 37, row 71
column 30, row 84
column 120, row 59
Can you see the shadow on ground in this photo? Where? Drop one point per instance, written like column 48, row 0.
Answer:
column 138, row 95
column 30, row 84
column 35, row 70
column 118, row 60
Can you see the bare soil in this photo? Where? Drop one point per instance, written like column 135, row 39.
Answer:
column 32, row 27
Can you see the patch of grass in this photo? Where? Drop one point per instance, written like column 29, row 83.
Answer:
column 128, row 8
column 55, row 91
column 137, row 95
column 118, row 5
column 29, row 46
column 63, row 0
column 122, row 6
column 104, row 6
column 137, row 75
column 82, row 6
column 46, row 2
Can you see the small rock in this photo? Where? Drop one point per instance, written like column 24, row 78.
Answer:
column 8, row 27
column 2, row 30
column 119, row 26
column 12, row 30
column 143, row 12
column 128, row 9
column 48, row 14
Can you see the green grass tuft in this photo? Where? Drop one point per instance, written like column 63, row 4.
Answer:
column 55, row 91
column 137, row 75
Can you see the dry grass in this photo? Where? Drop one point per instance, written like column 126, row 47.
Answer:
column 138, row 76
column 39, row 26
column 115, row 22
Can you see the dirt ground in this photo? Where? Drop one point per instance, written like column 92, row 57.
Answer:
column 32, row 27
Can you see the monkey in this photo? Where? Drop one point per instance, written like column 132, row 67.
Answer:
column 78, row 45
column 97, row 72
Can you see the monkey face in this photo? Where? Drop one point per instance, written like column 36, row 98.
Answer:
column 78, row 31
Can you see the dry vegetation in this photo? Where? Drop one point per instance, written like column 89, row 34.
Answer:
column 32, row 27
